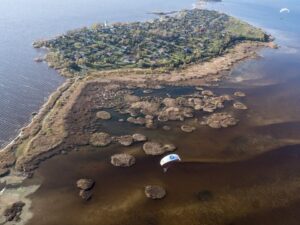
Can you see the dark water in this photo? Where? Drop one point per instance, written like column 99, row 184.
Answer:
column 260, row 190
column 24, row 84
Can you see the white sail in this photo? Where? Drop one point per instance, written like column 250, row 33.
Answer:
column 169, row 158
column 284, row 10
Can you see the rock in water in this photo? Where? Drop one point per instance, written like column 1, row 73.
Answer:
column 239, row 105
column 239, row 94
column 155, row 192
column 103, row 115
column 138, row 120
column 169, row 148
column 13, row 213
column 122, row 160
column 85, row 195
column 219, row 120
column 139, row 137
column 100, row 139
column 155, row 148
column 187, row 128
column 125, row 140
column 207, row 93
column 85, row 184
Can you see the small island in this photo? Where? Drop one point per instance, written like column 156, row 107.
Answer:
column 164, row 44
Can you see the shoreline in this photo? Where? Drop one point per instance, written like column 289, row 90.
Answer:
column 211, row 73
column 36, row 142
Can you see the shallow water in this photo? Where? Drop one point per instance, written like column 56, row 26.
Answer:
column 260, row 190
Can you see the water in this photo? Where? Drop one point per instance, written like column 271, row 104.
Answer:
column 260, row 190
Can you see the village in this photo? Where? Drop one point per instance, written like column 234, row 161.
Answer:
column 166, row 43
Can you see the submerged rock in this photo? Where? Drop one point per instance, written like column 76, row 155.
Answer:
column 220, row 120
column 122, row 160
column 239, row 105
column 85, row 184
column 155, row 192
column 14, row 212
column 139, row 137
column 166, row 127
column 100, row 139
column 125, row 140
column 204, row 195
column 103, row 115
column 187, row 128
column 155, row 148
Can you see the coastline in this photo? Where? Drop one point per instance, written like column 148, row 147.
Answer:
column 211, row 72
column 41, row 138
column 243, row 174
column 208, row 72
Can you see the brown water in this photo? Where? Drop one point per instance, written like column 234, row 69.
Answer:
column 252, row 191
column 260, row 188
